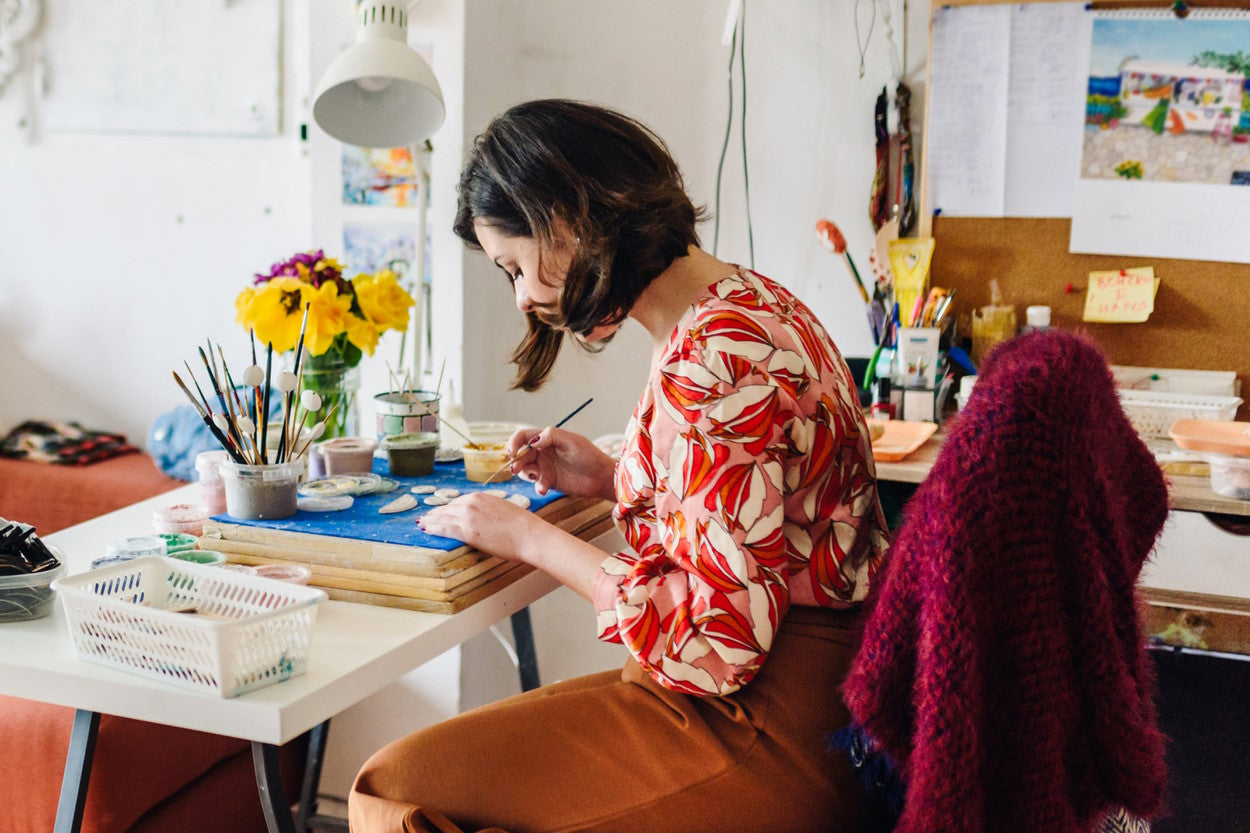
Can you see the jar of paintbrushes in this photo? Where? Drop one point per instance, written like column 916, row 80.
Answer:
column 263, row 464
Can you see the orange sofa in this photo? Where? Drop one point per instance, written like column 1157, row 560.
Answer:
column 146, row 778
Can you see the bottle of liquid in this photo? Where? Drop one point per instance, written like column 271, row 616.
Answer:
column 882, row 408
column 1036, row 319
column 452, row 412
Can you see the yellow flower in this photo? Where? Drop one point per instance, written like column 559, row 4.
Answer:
column 383, row 301
column 362, row 334
column 273, row 311
column 327, row 317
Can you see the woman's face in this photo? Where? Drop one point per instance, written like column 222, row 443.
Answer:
column 536, row 276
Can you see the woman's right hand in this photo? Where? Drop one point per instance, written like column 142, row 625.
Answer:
column 562, row 460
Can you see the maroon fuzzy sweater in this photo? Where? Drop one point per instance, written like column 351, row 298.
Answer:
column 1003, row 664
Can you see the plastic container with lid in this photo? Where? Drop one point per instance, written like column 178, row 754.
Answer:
column 184, row 518
column 28, row 595
column 294, row 573
column 212, row 489
column 1036, row 319
column 487, row 463
column 200, row 556
column 1230, row 475
column 136, row 546
column 177, row 541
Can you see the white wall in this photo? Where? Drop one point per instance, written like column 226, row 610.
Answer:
column 810, row 146
column 119, row 255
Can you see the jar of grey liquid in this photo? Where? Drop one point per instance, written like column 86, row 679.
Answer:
column 411, row 455
column 261, row 493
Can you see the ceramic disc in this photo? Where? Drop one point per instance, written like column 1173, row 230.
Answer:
column 422, row 489
column 519, row 500
column 436, row 500
column 325, row 503
column 400, row 504
column 503, row 493
column 447, row 492
column 328, row 486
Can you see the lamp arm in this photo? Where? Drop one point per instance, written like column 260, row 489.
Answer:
column 422, row 318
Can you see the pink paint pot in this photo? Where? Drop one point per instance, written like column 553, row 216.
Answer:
column 347, row 455
column 293, row 573
column 180, row 517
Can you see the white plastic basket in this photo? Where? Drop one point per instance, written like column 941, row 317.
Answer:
column 1153, row 412
column 1177, row 380
column 245, row 632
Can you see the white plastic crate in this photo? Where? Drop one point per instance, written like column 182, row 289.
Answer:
column 246, row 632
column 1153, row 412
column 1176, row 380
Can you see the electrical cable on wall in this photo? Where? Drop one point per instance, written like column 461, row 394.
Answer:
column 737, row 48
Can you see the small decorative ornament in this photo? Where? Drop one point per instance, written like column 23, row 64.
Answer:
column 400, row 504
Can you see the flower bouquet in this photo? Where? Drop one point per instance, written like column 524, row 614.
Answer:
column 345, row 319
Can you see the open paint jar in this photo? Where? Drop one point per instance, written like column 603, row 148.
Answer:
column 28, row 595
column 406, row 412
column 411, row 455
column 487, row 463
column 261, row 493
column 347, row 455
column 210, row 557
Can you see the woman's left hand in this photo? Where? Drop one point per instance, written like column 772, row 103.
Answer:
column 487, row 523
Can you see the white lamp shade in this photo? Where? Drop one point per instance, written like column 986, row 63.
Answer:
column 379, row 93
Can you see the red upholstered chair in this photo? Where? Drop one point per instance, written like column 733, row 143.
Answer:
column 146, row 778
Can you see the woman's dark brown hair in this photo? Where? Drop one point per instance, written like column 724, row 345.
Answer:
column 610, row 179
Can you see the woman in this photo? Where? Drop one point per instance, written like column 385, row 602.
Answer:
column 746, row 492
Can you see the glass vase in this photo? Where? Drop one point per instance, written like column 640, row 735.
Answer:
column 339, row 387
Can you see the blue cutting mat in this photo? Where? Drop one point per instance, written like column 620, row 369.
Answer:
column 363, row 522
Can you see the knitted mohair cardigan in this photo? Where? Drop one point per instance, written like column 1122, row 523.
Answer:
column 1003, row 664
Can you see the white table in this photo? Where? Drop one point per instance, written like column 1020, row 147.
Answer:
column 356, row 650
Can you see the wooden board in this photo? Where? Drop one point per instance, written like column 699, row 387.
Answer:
column 357, row 574
column 1201, row 315
column 1195, row 620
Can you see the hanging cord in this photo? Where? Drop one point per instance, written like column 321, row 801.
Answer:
column 720, row 166
column 862, row 45
column 746, row 179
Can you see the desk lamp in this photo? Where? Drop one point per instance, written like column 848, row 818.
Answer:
column 379, row 93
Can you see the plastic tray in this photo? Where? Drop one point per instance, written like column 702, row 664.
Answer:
column 242, row 632
column 1153, row 412
column 1220, row 437
column 900, row 438
column 1174, row 380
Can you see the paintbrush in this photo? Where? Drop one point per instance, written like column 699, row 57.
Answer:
column 317, row 431
column 221, row 396
column 216, row 432
column 298, row 371
column 264, row 425
column 520, row 452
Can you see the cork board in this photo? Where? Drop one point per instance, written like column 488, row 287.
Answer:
column 1201, row 319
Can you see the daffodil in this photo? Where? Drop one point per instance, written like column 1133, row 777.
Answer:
column 273, row 312
column 327, row 317
column 362, row 334
column 383, row 301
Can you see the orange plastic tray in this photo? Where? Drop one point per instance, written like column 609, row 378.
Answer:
column 900, row 438
column 1220, row 437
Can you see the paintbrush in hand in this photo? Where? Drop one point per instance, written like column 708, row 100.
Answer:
column 520, row 452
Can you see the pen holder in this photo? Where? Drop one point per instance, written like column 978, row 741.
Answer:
column 990, row 325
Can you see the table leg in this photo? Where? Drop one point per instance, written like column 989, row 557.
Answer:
column 527, row 656
column 77, row 771
column 273, row 800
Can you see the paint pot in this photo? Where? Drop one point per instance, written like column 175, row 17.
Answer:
column 406, row 412
column 261, row 493
column 294, row 573
column 411, row 455
column 212, row 490
column 28, row 595
column 180, row 517
column 135, row 546
column 208, row 557
column 487, row 463
column 176, row 542
column 347, row 455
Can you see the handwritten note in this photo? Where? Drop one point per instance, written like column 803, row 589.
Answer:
column 1123, row 297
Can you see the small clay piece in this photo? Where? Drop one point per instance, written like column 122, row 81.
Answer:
column 400, row 504
column 422, row 489
column 503, row 493
column 519, row 500
column 447, row 492
column 325, row 503
column 436, row 500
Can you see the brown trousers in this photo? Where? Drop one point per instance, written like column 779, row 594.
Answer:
column 618, row 752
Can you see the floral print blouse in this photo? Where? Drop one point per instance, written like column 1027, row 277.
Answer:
column 745, row 485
